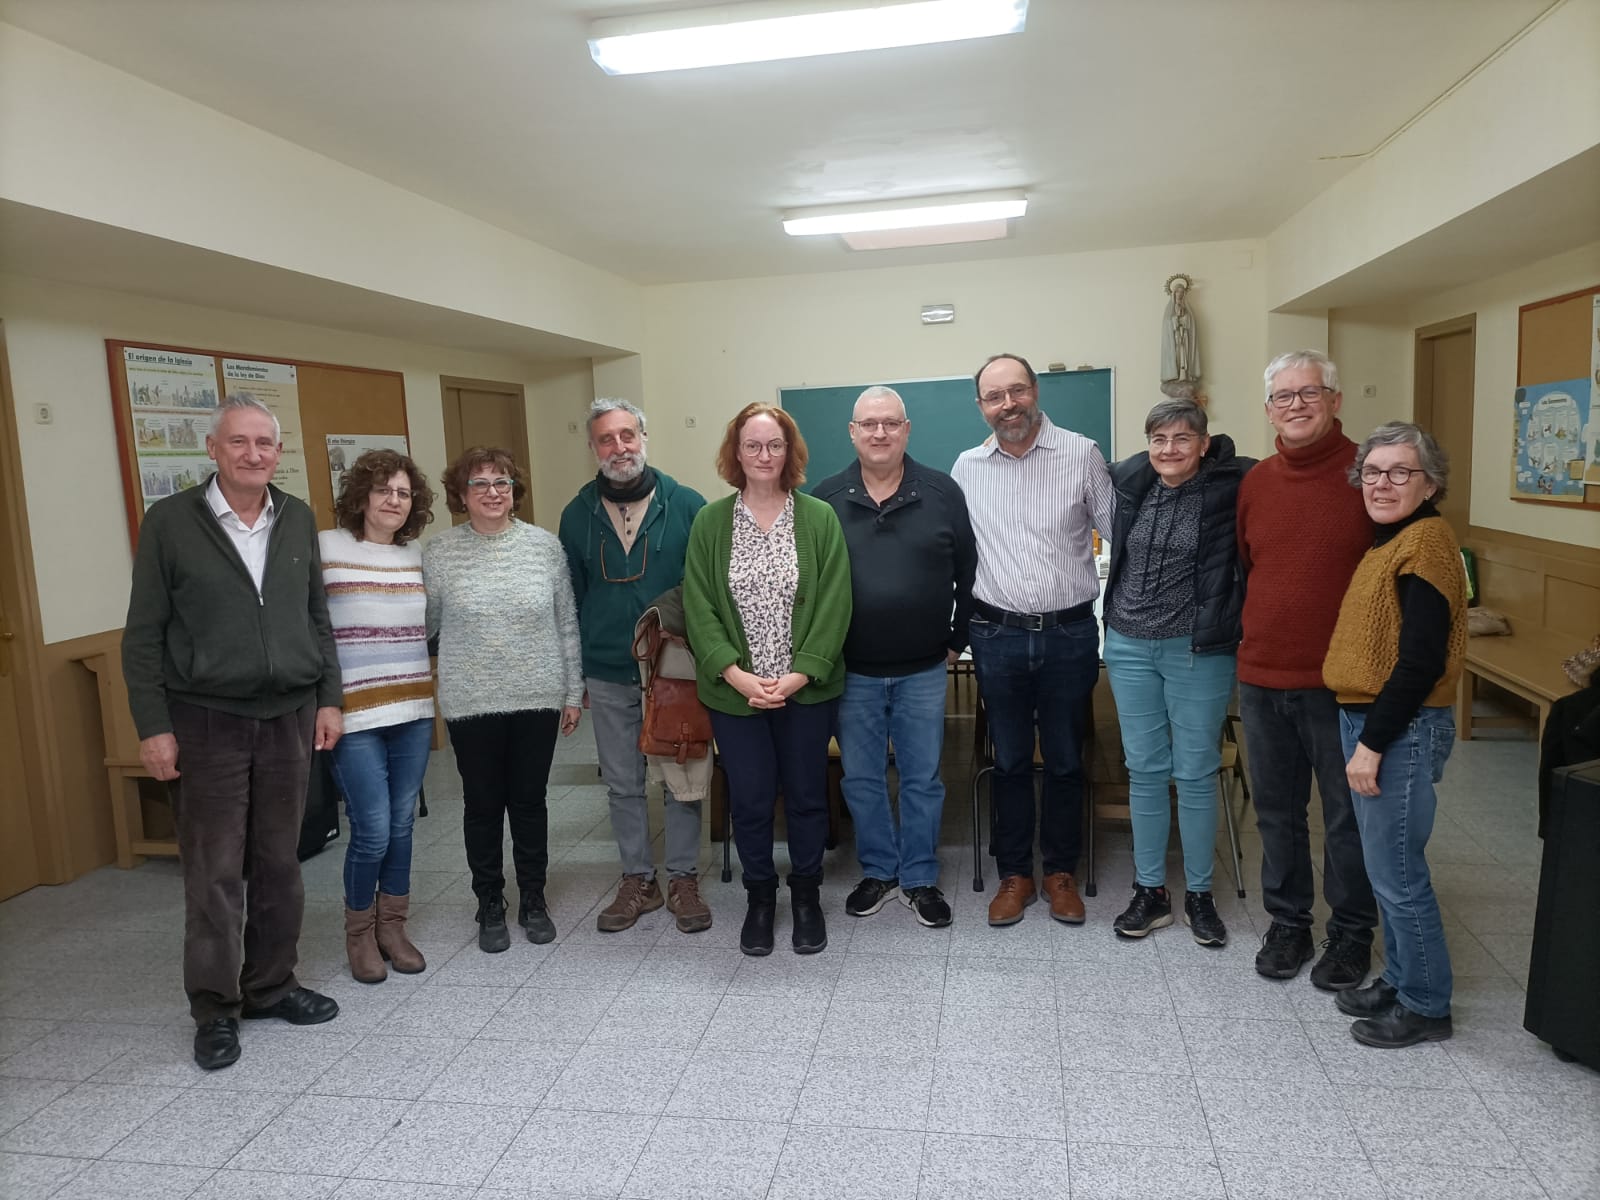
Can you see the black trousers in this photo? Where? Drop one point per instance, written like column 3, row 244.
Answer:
column 240, row 797
column 504, row 760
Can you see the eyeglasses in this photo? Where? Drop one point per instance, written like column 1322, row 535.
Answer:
column 1178, row 441
column 627, row 437
column 1309, row 394
column 643, row 566
column 775, row 447
column 389, row 493
column 501, row 485
column 1017, row 391
column 893, row 425
column 1399, row 476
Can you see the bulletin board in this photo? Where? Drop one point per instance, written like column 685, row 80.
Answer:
column 163, row 397
column 1555, row 455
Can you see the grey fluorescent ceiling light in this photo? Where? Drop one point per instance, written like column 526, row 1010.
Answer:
column 905, row 214
column 764, row 30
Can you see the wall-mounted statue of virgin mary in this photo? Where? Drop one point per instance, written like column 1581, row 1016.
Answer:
column 1180, row 343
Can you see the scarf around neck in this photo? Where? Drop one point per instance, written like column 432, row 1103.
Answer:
column 627, row 493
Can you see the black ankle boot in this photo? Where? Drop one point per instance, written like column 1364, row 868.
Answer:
column 810, row 926
column 755, row 938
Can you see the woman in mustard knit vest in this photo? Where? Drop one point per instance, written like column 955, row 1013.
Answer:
column 766, row 598
column 1393, row 664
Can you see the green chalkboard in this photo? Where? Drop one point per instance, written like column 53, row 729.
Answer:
column 944, row 416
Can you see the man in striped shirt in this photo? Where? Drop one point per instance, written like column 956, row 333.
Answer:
column 1035, row 493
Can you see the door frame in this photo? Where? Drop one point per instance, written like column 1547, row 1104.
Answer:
column 1422, row 376
column 41, row 781
column 450, row 407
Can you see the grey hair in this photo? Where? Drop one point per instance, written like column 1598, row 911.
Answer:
column 1169, row 411
column 604, row 404
column 879, row 392
column 1303, row 358
column 1431, row 456
column 244, row 402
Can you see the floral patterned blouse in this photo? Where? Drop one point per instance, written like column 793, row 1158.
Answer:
column 763, row 575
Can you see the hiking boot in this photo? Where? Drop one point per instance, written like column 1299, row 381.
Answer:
column 684, row 903
column 636, row 895
column 534, row 918
column 1284, row 950
column 1200, row 915
column 493, row 937
column 928, row 905
column 870, row 895
column 1150, row 908
column 1014, row 894
column 1343, row 964
column 1399, row 1027
column 1065, row 904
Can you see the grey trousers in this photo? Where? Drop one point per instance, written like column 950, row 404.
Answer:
column 618, row 714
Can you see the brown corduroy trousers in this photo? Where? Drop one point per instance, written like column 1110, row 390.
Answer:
column 240, row 800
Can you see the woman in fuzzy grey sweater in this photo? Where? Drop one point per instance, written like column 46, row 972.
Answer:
column 510, row 674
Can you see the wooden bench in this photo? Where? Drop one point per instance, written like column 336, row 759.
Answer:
column 123, row 768
column 1550, row 593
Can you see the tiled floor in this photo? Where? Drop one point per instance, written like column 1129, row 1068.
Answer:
column 1038, row 1060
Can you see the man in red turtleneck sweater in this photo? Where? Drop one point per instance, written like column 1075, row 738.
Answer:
column 1302, row 529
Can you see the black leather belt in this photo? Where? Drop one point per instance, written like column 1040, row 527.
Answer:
column 1033, row 621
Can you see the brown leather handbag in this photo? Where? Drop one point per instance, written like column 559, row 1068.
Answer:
column 676, row 725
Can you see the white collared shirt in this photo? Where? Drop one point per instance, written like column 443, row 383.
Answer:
column 1033, row 517
column 249, row 540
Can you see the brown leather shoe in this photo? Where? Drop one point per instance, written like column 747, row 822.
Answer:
column 393, row 941
column 684, row 902
column 1013, row 895
column 361, row 948
column 637, row 895
column 1065, row 905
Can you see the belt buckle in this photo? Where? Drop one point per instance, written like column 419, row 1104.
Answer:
column 1033, row 622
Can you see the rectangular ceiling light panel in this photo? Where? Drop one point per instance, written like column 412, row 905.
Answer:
column 772, row 29
column 905, row 214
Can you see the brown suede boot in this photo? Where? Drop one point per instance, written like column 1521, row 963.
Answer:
column 392, row 940
column 366, row 964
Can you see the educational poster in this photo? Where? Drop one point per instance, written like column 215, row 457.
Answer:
column 345, row 448
column 1548, row 458
column 275, row 385
column 171, row 396
column 1591, row 431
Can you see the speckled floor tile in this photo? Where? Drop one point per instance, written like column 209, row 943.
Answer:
column 830, row 1163
column 698, row 1159
column 583, row 1153
column 1135, row 1109
column 456, row 1144
column 1114, row 1172
column 200, row 1129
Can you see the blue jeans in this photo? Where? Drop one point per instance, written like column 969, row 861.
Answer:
column 1395, row 826
column 909, row 711
column 379, row 771
column 1170, row 704
column 1046, row 677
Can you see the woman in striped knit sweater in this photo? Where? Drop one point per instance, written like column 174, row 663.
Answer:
column 372, row 570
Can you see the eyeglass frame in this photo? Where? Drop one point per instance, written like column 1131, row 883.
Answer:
column 386, row 492
column 643, row 567
column 890, row 425
column 500, row 485
column 1015, row 391
column 1289, row 396
column 1178, row 441
column 782, row 445
column 1383, row 473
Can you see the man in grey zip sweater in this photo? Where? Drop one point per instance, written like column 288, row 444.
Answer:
column 232, row 679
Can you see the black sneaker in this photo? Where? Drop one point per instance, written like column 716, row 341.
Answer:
column 928, row 905
column 1284, row 950
column 493, row 937
column 1377, row 997
column 870, row 895
column 1399, row 1027
column 1151, row 908
column 1200, row 915
column 1343, row 964
column 535, row 920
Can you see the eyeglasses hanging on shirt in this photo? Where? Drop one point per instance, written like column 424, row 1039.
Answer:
column 623, row 576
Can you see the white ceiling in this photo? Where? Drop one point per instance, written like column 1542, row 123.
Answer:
column 1129, row 122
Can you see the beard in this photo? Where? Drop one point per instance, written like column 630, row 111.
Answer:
column 623, row 469
column 1017, row 433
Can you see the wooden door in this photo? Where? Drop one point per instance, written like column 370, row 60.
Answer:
column 480, row 413
column 1443, row 406
column 19, row 854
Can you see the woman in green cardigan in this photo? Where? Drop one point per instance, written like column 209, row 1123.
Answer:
column 766, row 593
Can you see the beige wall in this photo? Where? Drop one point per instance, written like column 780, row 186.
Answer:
column 1376, row 345
column 55, row 335
column 712, row 348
